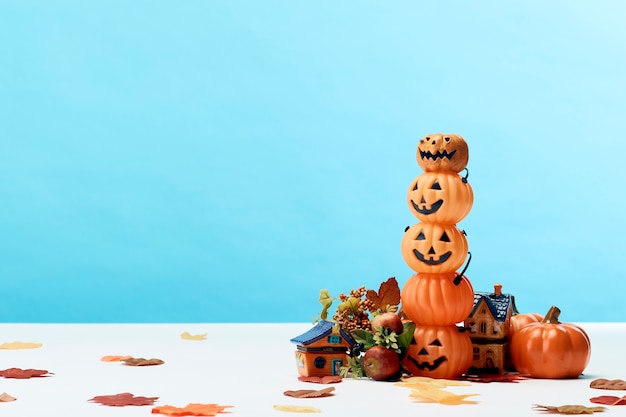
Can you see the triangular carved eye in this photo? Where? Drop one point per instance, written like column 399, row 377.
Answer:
column 436, row 186
column 415, row 188
column 444, row 237
column 421, row 236
column 447, row 139
column 435, row 342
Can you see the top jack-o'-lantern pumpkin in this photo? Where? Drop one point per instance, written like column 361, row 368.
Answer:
column 442, row 152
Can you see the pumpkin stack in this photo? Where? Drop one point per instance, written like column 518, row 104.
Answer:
column 437, row 297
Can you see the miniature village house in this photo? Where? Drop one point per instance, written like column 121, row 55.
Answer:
column 489, row 323
column 322, row 350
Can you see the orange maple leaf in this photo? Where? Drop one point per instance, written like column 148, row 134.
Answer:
column 191, row 409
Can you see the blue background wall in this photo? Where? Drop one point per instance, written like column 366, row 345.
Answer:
column 216, row 161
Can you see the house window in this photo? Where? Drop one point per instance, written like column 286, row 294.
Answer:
column 334, row 339
column 476, row 353
column 483, row 327
column 319, row 362
column 483, row 311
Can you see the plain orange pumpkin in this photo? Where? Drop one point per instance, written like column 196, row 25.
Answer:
column 438, row 299
column 520, row 320
column 440, row 197
column 550, row 349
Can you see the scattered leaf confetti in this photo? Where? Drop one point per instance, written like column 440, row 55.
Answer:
column 23, row 373
column 495, row 378
column 142, row 361
column 602, row 383
column 297, row 409
column 115, row 358
column 188, row 336
column 568, row 409
column 20, row 345
column 123, row 399
column 310, row 393
column 417, row 382
column 5, row 398
column 609, row 400
column 321, row 379
column 441, row 396
column 191, row 409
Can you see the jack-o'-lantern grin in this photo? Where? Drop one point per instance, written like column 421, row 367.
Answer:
column 431, row 259
column 428, row 155
column 424, row 210
column 428, row 365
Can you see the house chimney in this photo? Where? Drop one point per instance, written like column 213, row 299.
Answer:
column 497, row 289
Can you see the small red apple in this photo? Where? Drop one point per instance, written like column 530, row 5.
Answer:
column 381, row 363
column 389, row 320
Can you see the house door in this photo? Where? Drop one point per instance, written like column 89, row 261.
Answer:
column 337, row 364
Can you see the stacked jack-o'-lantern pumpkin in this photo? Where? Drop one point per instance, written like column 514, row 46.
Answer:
column 437, row 297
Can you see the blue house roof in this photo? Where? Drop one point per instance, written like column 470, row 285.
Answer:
column 498, row 304
column 322, row 329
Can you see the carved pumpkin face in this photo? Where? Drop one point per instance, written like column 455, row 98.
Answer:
column 437, row 299
column 434, row 247
column 442, row 152
column 439, row 352
column 440, row 197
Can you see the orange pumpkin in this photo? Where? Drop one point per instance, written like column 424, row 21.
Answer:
column 434, row 247
column 442, row 152
column 439, row 352
column 440, row 197
column 438, row 299
column 550, row 349
column 520, row 320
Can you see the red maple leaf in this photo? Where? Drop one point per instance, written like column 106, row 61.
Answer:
column 123, row 399
column 23, row 373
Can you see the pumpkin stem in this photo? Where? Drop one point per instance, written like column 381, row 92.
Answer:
column 459, row 278
column 464, row 179
column 552, row 316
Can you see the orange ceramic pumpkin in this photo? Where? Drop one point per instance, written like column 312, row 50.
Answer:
column 442, row 152
column 434, row 247
column 438, row 299
column 520, row 320
column 550, row 349
column 440, row 197
column 439, row 352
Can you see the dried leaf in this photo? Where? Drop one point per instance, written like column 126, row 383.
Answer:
column 388, row 294
column 114, row 358
column 23, row 373
column 20, row 345
column 297, row 409
column 441, row 396
column 609, row 400
column 5, row 398
column 568, row 409
column 495, row 378
column 321, row 379
column 123, row 399
column 142, row 361
column 602, row 383
column 415, row 382
column 188, row 336
column 310, row 393
column 191, row 409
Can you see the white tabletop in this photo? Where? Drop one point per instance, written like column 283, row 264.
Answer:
column 249, row 366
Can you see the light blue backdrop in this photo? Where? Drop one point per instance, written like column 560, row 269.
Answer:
column 222, row 161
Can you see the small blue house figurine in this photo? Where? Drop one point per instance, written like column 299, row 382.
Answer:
column 323, row 349
column 489, row 324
